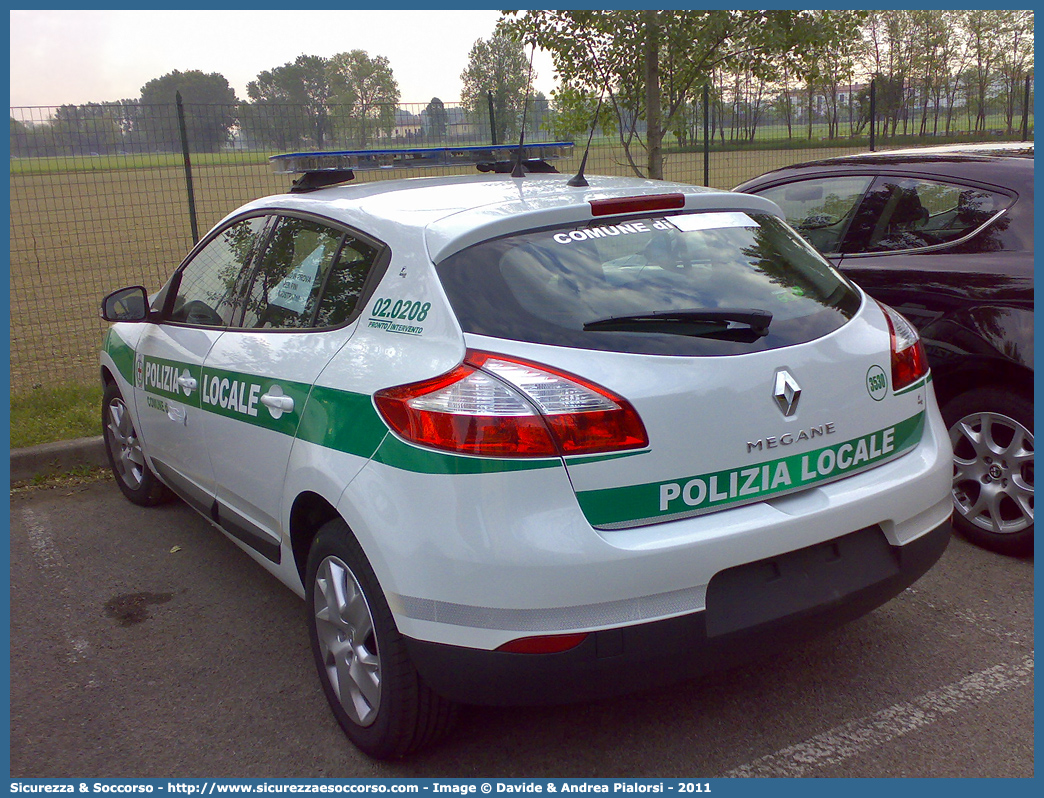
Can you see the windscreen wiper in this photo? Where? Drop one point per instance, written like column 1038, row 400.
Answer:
column 733, row 324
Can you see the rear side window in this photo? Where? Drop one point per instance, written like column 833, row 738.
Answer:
column 310, row 275
column 901, row 213
column 713, row 283
column 290, row 274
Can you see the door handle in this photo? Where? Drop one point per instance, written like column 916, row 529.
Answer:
column 284, row 403
column 277, row 403
column 188, row 383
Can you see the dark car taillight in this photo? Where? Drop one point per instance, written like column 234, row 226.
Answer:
column 909, row 360
column 499, row 406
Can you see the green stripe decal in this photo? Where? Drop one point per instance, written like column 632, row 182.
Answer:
column 160, row 377
column 121, row 353
column 238, row 396
column 914, row 386
column 342, row 420
column 688, row 496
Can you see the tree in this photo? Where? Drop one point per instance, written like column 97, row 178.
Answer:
column 289, row 104
column 86, row 129
column 364, row 95
column 834, row 40
column 1016, row 61
column 435, row 119
column 573, row 115
column 498, row 65
column 651, row 62
column 210, row 110
column 985, row 30
column 538, row 114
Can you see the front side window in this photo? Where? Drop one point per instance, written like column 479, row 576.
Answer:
column 712, row 283
column 209, row 284
column 820, row 209
column 900, row 213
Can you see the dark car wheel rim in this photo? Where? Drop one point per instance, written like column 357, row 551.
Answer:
column 124, row 445
column 347, row 641
column 993, row 472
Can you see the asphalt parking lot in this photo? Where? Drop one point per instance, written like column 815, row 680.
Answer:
column 144, row 644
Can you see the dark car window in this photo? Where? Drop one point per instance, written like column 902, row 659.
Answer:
column 570, row 286
column 345, row 283
column 208, row 285
column 820, row 209
column 900, row 213
column 289, row 276
column 310, row 276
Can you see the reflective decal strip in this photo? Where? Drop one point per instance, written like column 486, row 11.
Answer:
column 632, row 505
column 121, row 353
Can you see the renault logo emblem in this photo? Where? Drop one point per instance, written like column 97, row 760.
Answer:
column 786, row 392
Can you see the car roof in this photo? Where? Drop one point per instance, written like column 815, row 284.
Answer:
column 455, row 212
column 1005, row 164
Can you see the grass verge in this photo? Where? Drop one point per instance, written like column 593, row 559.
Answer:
column 58, row 413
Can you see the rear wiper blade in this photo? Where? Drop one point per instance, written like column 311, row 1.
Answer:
column 741, row 324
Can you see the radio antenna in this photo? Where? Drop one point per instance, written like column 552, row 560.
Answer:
column 578, row 180
column 518, row 171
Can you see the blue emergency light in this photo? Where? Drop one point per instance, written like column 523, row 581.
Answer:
column 371, row 160
column 327, row 168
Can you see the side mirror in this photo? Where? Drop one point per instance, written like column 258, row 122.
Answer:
column 127, row 304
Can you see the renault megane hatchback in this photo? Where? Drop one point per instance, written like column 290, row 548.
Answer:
column 517, row 440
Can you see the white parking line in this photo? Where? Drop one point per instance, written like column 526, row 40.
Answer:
column 50, row 560
column 856, row 737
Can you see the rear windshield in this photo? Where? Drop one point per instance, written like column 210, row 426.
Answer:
column 714, row 283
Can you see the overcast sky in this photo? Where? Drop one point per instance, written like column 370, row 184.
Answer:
column 75, row 57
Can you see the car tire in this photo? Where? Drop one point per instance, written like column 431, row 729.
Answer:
column 381, row 702
column 992, row 435
column 126, row 458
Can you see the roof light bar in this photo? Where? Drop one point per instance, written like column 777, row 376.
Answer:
column 373, row 160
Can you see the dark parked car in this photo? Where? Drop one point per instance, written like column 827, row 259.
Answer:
column 945, row 236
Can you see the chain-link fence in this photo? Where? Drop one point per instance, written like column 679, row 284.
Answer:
column 104, row 196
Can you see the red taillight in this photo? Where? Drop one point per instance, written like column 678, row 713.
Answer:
column 498, row 406
column 548, row 644
column 655, row 202
column 909, row 360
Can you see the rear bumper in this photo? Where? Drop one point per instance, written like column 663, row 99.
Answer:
column 751, row 610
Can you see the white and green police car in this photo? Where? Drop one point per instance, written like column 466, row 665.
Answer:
column 520, row 438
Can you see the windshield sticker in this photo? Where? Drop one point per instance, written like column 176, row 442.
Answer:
column 693, row 222
column 641, row 226
column 292, row 291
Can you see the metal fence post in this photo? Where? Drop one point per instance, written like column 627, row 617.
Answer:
column 188, row 168
column 706, row 134
column 873, row 113
column 1025, row 111
column 492, row 118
